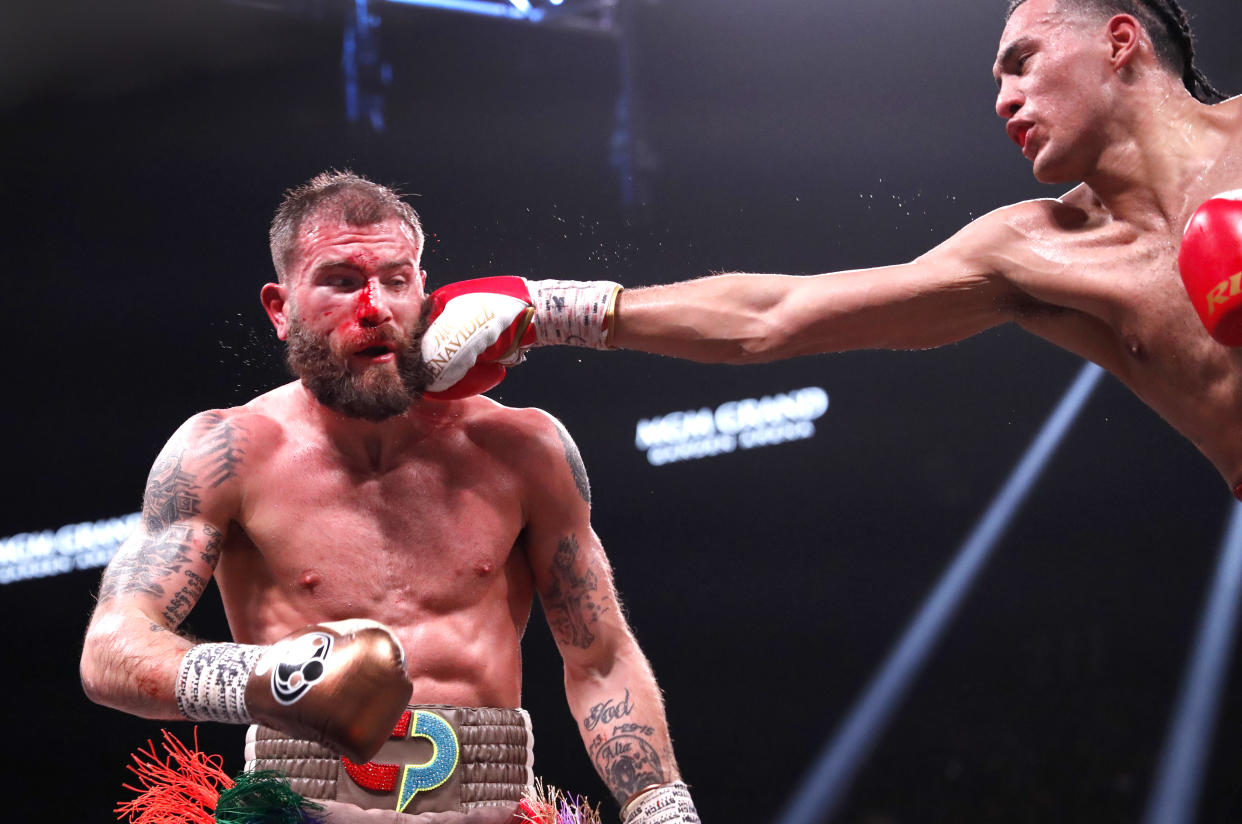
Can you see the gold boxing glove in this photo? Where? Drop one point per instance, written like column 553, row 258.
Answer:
column 341, row 684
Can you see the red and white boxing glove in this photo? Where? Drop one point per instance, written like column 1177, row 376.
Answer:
column 1210, row 262
column 481, row 326
column 341, row 684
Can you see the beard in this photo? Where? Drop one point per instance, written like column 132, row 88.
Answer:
column 374, row 394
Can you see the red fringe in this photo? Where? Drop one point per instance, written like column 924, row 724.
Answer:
column 180, row 788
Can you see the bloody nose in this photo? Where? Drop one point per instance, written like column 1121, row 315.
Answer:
column 368, row 303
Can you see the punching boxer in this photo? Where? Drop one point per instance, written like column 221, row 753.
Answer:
column 1102, row 93
column 374, row 548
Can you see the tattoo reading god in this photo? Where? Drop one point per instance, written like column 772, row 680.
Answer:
column 608, row 711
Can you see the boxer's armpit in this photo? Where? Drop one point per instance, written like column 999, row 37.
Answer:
column 572, row 602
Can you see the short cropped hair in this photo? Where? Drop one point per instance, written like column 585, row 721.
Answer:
column 345, row 196
column 1169, row 29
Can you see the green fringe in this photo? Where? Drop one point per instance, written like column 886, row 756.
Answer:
column 264, row 797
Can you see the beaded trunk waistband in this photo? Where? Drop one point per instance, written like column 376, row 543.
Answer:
column 439, row 759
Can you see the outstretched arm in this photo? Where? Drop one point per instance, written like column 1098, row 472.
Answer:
column 611, row 689
column 952, row 292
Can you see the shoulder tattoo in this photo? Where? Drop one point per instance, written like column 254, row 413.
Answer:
column 574, row 458
column 224, row 443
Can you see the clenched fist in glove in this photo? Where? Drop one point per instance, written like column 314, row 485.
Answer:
column 481, row 326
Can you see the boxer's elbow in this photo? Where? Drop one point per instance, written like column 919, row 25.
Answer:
column 597, row 662
column 764, row 334
column 93, row 670
column 115, row 673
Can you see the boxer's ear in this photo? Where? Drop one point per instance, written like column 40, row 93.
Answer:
column 1124, row 36
column 275, row 299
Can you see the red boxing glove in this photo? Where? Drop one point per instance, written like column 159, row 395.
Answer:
column 1210, row 262
column 479, row 327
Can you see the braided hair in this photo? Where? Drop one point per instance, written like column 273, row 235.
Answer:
column 1169, row 30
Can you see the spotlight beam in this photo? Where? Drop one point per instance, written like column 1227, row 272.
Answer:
column 1179, row 777
column 824, row 787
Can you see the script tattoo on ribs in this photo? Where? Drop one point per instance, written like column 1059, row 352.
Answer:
column 570, row 602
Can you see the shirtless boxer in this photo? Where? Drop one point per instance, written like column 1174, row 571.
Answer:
column 346, row 496
column 1097, row 92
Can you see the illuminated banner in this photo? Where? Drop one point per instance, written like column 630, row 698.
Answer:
column 76, row 546
column 744, row 424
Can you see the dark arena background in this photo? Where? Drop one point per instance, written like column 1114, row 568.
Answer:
column 776, row 529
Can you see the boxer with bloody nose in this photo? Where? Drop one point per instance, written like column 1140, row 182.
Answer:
column 377, row 553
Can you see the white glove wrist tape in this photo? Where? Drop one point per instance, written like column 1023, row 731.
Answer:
column 211, row 684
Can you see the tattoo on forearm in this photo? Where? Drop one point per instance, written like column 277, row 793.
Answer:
column 626, row 761
column 224, row 448
column 608, row 711
column 570, row 602
column 574, row 458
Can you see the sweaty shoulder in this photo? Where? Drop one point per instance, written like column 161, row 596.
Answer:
column 1019, row 224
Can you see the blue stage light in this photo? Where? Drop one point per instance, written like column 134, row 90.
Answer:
column 1180, row 775
column 482, row 7
column 826, row 783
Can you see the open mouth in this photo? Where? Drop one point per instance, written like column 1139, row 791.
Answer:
column 1019, row 134
column 377, row 352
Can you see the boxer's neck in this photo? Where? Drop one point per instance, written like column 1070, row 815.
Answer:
column 376, row 445
column 1163, row 149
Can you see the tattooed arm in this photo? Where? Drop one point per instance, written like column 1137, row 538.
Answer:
column 132, row 651
column 610, row 686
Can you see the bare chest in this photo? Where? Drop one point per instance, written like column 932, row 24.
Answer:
column 1130, row 312
column 430, row 535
